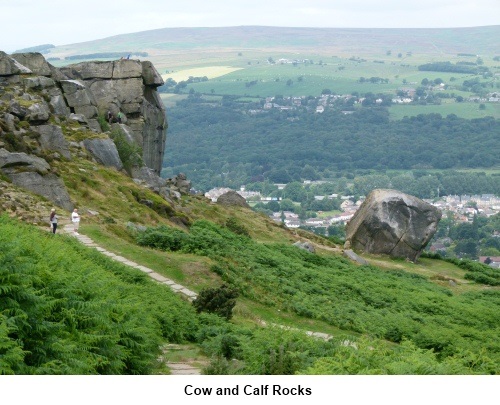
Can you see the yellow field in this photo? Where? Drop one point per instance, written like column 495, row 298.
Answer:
column 208, row 71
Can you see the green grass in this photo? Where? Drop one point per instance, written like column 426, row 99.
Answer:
column 189, row 270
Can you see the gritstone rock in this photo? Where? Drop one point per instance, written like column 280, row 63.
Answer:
column 232, row 198
column 393, row 223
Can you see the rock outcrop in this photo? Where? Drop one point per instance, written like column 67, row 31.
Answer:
column 33, row 173
column 127, row 87
column 393, row 223
column 41, row 106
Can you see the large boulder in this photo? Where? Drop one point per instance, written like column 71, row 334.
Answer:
column 49, row 186
column 232, row 198
column 393, row 223
column 19, row 161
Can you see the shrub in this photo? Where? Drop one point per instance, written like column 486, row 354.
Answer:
column 162, row 237
column 234, row 226
column 220, row 301
column 130, row 153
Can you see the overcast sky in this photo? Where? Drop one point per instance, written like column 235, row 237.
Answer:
column 26, row 23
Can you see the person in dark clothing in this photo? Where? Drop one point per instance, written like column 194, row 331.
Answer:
column 109, row 116
column 53, row 220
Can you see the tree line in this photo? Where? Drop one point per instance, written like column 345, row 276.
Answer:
column 221, row 145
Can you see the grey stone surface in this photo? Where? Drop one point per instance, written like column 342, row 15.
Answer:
column 393, row 223
column 59, row 106
column 41, row 82
column 306, row 246
column 38, row 112
column 232, row 198
column 14, row 162
column 354, row 257
column 145, row 269
column 157, row 277
column 33, row 61
column 150, row 75
column 104, row 151
column 52, row 138
column 49, row 186
column 10, row 67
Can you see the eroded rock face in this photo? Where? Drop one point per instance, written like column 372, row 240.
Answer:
column 34, row 61
column 33, row 173
column 393, row 223
column 36, row 97
column 128, row 87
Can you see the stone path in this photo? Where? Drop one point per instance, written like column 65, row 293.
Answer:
column 176, row 368
column 177, row 288
column 188, row 367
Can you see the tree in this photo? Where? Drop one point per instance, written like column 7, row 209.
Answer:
column 287, row 205
column 289, row 82
column 295, row 192
column 274, row 206
column 466, row 248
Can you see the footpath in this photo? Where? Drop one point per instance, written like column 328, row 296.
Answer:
column 176, row 368
column 180, row 368
column 177, row 288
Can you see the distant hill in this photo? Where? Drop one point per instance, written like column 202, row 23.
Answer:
column 439, row 41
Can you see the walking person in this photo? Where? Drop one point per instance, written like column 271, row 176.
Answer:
column 75, row 218
column 53, row 220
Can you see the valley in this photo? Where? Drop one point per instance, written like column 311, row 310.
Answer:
column 243, row 109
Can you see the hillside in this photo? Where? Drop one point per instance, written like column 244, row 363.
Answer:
column 67, row 309
column 342, row 41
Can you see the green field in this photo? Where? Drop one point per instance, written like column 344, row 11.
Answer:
column 341, row 76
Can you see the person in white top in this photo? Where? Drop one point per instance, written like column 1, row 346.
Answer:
column 75, row 218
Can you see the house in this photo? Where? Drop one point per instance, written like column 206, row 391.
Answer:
column 490, row 259
column 292, row 223
column 320, row 109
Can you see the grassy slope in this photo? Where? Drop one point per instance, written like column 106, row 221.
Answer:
column 107, row 192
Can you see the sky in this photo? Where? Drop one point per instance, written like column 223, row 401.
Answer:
column 27, row 23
